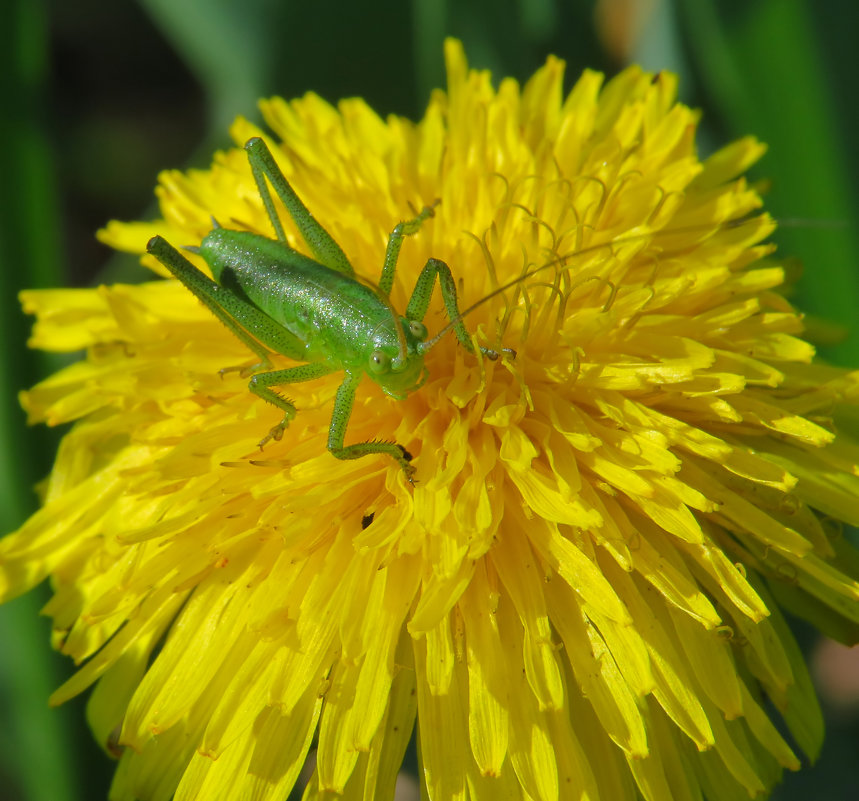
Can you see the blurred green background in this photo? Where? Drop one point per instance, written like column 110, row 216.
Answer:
column 98, row 97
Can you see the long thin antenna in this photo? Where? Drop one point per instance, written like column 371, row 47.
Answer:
column 560, row 260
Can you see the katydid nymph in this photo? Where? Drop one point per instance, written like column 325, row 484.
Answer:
column 315, row 310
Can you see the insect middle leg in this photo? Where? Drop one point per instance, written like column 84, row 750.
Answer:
column 261, row 385
column 337, row 431
column 395, row 242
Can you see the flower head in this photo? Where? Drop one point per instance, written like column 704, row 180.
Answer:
column 578, row 596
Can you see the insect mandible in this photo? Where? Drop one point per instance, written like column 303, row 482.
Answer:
column 315, row 310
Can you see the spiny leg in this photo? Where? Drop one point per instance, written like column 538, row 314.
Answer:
column 228, row 308
column 261, row 385
column 236, row 313
column 321, row 244
column 395, row 242
column 422, row 293
column 337, row 431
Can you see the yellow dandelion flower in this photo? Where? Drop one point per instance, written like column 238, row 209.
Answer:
column 578, row 598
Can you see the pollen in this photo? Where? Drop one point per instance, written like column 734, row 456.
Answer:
column 580, row 596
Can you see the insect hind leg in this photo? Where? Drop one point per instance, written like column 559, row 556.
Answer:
column 321, row 243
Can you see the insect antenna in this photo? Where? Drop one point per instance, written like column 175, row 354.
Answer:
column 561, row 261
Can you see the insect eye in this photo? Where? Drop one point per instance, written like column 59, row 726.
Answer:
column 418, row 330
column 379, row 361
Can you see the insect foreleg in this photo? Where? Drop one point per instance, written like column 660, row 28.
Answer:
column 321, row 244
column 395, row 242
column 419, row 302
column 262, row 383
column 337, row 431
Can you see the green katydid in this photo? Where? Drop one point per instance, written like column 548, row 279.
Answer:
column 315, row 310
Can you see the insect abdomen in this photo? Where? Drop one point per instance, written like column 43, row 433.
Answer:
column 334, row 314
